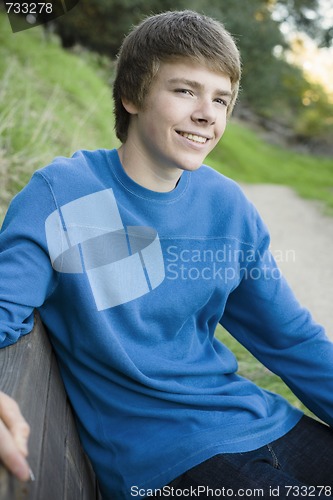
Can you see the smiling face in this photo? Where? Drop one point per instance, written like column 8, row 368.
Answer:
column 183, row 117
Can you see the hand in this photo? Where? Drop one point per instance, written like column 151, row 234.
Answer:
column 14, row 433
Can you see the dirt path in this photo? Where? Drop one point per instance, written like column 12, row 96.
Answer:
column 302, row 242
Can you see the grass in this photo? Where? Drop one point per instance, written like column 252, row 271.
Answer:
column 54, row 102
column 245, row 157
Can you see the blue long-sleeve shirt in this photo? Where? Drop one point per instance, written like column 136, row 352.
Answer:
column 131, row 285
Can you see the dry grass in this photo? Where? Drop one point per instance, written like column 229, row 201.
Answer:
column 18, row 163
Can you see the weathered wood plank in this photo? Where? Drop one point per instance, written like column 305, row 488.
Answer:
column 29, row 373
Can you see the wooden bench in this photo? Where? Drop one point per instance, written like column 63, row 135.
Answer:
column 29, row 373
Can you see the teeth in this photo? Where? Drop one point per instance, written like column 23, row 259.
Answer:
column 195, row 138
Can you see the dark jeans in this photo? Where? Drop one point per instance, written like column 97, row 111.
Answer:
column 298, row 465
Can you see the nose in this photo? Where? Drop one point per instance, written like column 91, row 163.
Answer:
column 204, row 112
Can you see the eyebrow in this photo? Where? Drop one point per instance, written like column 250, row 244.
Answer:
column 196, row 85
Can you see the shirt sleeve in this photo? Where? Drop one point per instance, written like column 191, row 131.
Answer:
column 26, row 273
column 263, row 314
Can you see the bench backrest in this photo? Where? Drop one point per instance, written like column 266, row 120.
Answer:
column 29, row 373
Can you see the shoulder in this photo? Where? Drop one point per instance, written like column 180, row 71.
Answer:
column 81, row 163
column 227, row 204
column 71, row 178
column 219, row 189
column 63, row 180
column 213, row 182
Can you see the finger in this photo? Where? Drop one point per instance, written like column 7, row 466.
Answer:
column 20, row 433
column 15, row 422
column 11, row 456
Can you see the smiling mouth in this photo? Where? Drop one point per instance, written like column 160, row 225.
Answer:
column 194, row 138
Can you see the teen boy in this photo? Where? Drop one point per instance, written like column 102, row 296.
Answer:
column 132, row 257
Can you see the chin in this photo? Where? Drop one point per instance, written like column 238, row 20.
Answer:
column 191, row 165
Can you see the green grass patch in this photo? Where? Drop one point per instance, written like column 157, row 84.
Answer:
column 245, row 157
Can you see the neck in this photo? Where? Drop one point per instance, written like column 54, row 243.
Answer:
column 151, row 177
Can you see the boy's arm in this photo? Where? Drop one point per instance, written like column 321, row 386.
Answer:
column 27, row 276
column 14, row 434
column 26, row 279
column 263, row 314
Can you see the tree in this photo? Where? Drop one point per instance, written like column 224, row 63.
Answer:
column 307, row 16
column 101, row 24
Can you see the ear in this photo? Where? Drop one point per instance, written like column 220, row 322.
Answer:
column 130, row 107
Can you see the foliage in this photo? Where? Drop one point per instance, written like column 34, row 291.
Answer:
column 264, row 75
column 317, row 116
column 101, row 24
column 271, row 86
column 306, row 16
column 110, row 19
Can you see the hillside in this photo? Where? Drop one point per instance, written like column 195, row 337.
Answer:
column 53, row 102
